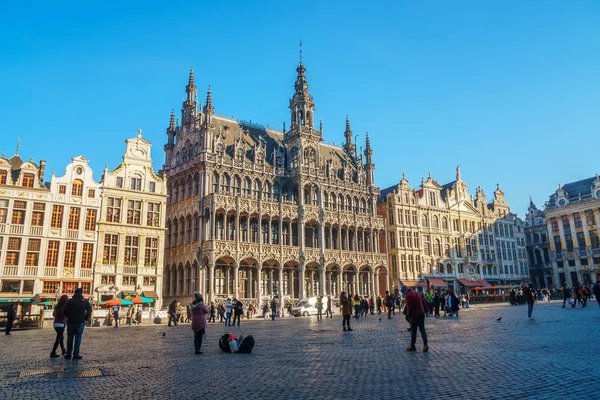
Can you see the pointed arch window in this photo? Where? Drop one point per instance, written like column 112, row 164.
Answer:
column 215, row 182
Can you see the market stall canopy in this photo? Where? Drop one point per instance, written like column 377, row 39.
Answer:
column 484, row 283
column 150, row 294
column 142, row 300
column 117, row 302
column 467, row 283
column 437, row 282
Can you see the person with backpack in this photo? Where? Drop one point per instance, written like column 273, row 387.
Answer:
column 198, row 319
column 60, row 323
column 346, row 306
column 238, row 310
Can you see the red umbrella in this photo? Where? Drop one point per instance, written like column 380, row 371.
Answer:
column 137, row 300
column 112, row 302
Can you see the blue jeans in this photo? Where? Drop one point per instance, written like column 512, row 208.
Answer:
column 228, row 319
column 74, row 332
column 529, row 309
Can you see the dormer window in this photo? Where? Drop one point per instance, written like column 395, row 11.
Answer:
column 119, row 181
column 3, row 177
column 28, row 180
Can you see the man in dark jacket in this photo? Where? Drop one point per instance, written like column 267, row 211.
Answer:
column 10, row 318
column 78, row 312
column 529, row 299
column 416, row 313
column 238, row 310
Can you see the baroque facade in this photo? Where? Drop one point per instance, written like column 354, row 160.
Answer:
column 440, row 236
column 254, row 212
column 573, row 225
column 131, row 228
column 47, row 232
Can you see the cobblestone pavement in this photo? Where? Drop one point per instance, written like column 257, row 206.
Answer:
column 554, row 356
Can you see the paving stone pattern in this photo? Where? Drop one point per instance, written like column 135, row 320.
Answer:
column 474, row 357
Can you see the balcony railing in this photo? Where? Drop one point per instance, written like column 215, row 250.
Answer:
column 10, row 270
column 50, row 271
column 72, row 234
column 17, row 229
column 2, row 228
column 129, row 270
column 85, row 273
column 36, row 230
column 30, row 271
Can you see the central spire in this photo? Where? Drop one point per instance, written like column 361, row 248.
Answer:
column 302, row 105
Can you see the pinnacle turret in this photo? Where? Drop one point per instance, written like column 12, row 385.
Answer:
column 208, row 107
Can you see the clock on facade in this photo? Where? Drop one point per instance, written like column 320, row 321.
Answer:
column 562, row 202
column 598, row 193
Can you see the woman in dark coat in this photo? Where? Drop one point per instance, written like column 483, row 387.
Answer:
column 60, row 321
column 198, row 317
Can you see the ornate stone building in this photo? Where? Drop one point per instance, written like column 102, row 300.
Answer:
column 440, row 236
column 573, row 225
column 538, row 247
column 255, row 212
column 131, row 229
column 47, row 232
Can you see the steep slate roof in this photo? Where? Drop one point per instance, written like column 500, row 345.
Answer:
column 384, row 192
column 445, row 188
column 574, row 189
column 252, row 134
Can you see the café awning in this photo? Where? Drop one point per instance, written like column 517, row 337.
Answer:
column 437, row 282
column 151, row 294
column 468, row 284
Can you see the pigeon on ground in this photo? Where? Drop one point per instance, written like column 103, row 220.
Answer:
column 164, row 333
column 379, row 319
column 499, row 319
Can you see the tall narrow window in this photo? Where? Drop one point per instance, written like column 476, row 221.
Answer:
column 151, row 253
column 74, row 216
column 3, row 210
column 119, row 181
column 52, row 253
column 134, row 212
column 3, row 176
column 37, row 216
column 113, row 210
column 18, row 216
column 57, row 216
column 70, row 253
column 111, row 244
column 90, row 220
column 86, row 255
column 33, row 252
column 77, row 188
column 131, row 250
column 153, row 215
column 13, row 251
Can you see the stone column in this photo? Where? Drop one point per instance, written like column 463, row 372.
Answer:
column 211, row 280
column 238, row 233
column 236, row 280
column 257, row 290
column 375, row 282
column 301, row 289
column 321, row 280
column 269, row 233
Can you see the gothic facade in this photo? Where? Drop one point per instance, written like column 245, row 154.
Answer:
column 255, row 212
column 440, row 236
column 538, row 247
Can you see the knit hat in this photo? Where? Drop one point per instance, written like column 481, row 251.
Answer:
column 198, row 296
column 404, row 289
column 79, row 291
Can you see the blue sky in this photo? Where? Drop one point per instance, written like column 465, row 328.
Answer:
column 507, row 89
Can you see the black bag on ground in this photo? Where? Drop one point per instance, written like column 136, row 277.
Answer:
column 224, row 343
column 246, row 345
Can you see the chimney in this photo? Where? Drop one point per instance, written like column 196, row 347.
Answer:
column 41, row 171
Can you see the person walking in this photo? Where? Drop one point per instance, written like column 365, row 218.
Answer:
column 455, row 306
column 273, row 309
column 328, row 311
column 566, row 294
column 213, row 311
column 388, row 303
column 11, row 315
column 173, row 307
column 60, row 321
column 115, row 313
column 416, row 313
column 221, row 312
column 228, row 308
column 346, row 306
column 198, row 311
column 529, row 299
column 356, row 304
column 596, row 291
column 77, row 311
column 238, row 310
column 378, row 303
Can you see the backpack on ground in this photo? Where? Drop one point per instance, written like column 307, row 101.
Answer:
column 246, row 345
column 224, row 342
